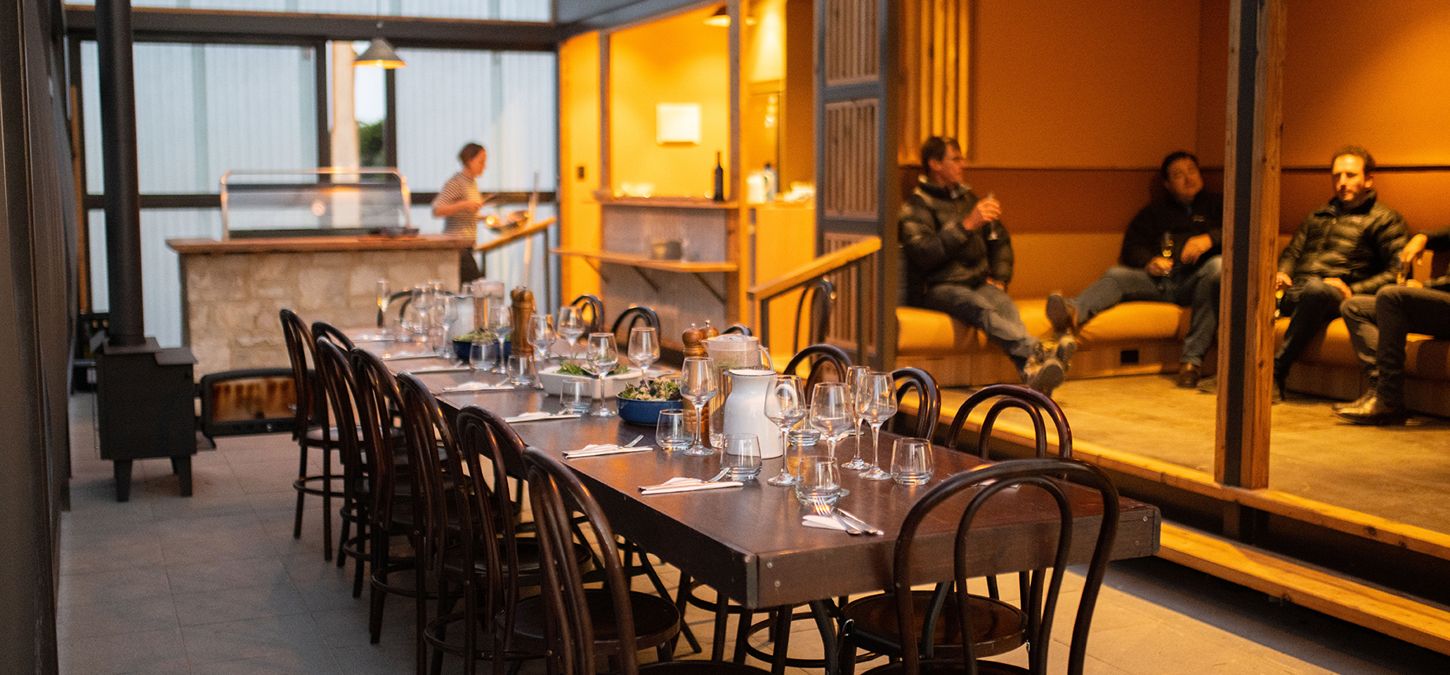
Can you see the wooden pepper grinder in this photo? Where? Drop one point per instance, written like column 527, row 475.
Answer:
column 694, row 338
column 523, row 312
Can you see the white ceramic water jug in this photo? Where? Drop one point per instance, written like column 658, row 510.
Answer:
column 745, row 408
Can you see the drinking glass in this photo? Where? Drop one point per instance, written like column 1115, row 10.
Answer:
column 571, row 396
column 569, row 326
column 831, row 413
column 876, row 403
column 784, row 405
column 603, row 356
column 500, row 323
column 520, row 370
column 911, row 461
column 742, row 457
column 670, row 431
column 820, row 481
column 855, row 380
column 478, row 356
column 384, row 292
column 450, row 309
column 541, row 334
column 644, row 348
column 698, row 386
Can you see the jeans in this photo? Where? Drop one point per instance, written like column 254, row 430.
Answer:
column 1197, row 289
column 987, row 308
column 1311, row 304
column 1379, row 324
column 468, row 268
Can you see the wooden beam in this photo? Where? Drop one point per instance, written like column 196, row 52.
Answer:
column 1251, row 191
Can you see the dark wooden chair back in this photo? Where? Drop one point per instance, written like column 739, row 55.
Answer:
column 335, row 377
column 813, row 312
column 591, row 312
column 822, row 362
column 323, row 329
column 737, row 328
column 378, row 405
column 398, row 299
column 555, row 495
column 637, row 315
column 1035, row 404
column 919, row 383
column 298, row 340
column 1049, row 475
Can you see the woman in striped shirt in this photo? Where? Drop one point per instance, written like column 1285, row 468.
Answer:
column 458, row 203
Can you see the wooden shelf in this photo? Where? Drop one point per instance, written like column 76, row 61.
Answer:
column 668, row 203
column 316, row 244
column 681, row 266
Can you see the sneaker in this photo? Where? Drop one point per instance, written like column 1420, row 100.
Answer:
column 1062, row 313
column 1066, row 347
column 1046, row 376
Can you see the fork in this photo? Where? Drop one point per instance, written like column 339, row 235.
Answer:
column 634, row 442
column 824, row 510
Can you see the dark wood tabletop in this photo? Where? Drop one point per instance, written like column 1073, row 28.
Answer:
column 749, row 542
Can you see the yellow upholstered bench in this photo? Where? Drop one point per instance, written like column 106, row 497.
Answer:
column 1329, row 368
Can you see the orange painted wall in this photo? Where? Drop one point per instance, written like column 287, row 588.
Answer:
column 678, row 59
column 578, row 150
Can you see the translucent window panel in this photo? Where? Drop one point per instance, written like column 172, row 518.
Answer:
column 204, row 109
column 508, row 264
column 507, row 10
column 503, row 100
column 160, row 269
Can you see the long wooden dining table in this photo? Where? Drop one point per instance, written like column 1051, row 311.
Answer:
column 749, row 543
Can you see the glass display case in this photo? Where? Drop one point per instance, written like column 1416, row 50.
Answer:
column 312, row 202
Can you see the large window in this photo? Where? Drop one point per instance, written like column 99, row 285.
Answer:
column 504, row 10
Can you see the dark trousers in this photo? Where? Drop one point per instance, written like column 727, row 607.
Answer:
column 987, row 308
column 1197, row 289
column 468, row 268
column 1379, row 324
column 1310, row 304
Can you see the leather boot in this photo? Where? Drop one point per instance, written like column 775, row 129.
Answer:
column 1374, row 413
column 1188, row 375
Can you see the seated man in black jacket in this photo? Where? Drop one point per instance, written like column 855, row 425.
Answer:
column 1378, row 325
column 959, row 261
column 1350, row 246
column 1170, row 254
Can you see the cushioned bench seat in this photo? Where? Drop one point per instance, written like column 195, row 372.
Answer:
column 1330, row 368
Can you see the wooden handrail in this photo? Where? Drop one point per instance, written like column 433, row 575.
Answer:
column 510, row 236
column 825, row 264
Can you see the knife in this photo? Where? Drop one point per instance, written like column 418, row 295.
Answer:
column 865, row 526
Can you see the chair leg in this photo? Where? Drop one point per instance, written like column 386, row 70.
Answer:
column 722, row 615
column 420, row 614
column 781, row 643
column 364, row 549
column 344, row 530
column 742, row 634
column 681, row 594
column 470, row 631
column 326, row 503
column 301, row 475
column 446, row 601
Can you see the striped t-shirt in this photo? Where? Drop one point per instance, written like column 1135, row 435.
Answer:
column 458, row 188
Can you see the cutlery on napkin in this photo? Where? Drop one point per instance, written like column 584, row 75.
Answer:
column 475, row 386
column 538, row 416
column 838, row 522
column 598, row 449
column 405, row 357
column 372, row 337
column 438, row 369
column 682, row 484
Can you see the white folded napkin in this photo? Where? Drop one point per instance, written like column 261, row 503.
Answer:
column 683, row 484
column 405, row 357
column 538, row 416
column 476, row 386
column 372, row 337
column 823, row 522
column 597, row 449
column 439, row 369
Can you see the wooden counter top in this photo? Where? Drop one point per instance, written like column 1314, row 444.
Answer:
column 667, row 202
column 316, row 244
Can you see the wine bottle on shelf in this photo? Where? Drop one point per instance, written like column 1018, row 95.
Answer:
column 719, row 194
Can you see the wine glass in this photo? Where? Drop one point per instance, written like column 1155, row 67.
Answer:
column 698, row 386
column 569, row 325
column 644, row 348
column 876, row 403
column 541, row 334
column 603, row 356
column 831, row 413
column 500, row 323
column 784, row 406
column 855, row 380
column 384, row 292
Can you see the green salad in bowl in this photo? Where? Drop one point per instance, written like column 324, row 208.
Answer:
column 571, row 368
column 654, row 390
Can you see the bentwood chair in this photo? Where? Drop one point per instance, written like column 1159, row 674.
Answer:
column 637, row 315
column 591, row 312
column 585, row 623
column 822, row 363
column 919, row 384
column 1036, row 405
column 310, row 428
column 813, row 312
column 336, row 378
column 394, row 491
column 913, row 620
column 738, row 328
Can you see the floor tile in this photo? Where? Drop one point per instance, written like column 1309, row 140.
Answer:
column 112, row 586
column 158, row 651
column 275, row 599
column 272, row 636
column 225, row 575
column 116, row 618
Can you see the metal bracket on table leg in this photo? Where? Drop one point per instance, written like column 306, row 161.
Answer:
column 718, row 295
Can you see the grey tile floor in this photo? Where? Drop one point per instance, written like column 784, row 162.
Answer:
column 215, row 583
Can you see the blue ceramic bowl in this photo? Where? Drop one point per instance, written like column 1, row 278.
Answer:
column 645, row 413
column 462, row 347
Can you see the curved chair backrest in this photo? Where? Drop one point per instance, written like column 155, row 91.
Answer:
column 591, row 312
column 323, row 329
column 1005, row 396
column 378, row 402
column 737, row 328
column 636, row 315
column 1040, row 602
column 813, row 358
column 299, row 353
column 335, row 378
column 918, row 382
column 814, row 309
column 555, row 494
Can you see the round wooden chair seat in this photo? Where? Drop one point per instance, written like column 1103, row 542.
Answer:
column 655, row 620
column 997, row 627
column 691, row 667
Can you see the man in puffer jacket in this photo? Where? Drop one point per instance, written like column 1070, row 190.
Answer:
column 959, row 261
column 1350, row 246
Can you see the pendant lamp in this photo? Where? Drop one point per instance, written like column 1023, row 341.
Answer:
column 379, row 53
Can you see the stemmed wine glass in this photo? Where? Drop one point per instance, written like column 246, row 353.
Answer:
column 384, row 292
column 831, row 413
column 500, row 323
column 541, row 334
column 569, row 326
column 784, row 406
column 603, row 356
column 876, row 403
column 855, row 380
column 698, row 386
column 644, row 348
